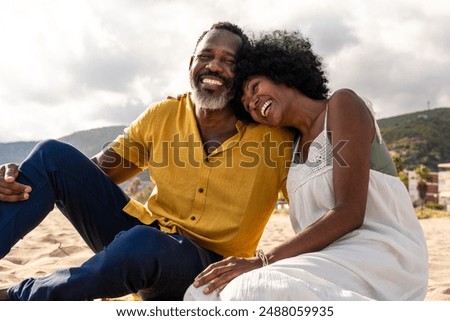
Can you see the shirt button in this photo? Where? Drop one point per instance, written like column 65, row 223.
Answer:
column 193, row 218
column 200, row 190
column 166, row 219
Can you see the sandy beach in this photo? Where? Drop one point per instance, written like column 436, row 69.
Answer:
column 55, row 244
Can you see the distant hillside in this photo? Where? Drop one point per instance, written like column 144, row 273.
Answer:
column 89, row 142
column 419, row 138
column 15, row 152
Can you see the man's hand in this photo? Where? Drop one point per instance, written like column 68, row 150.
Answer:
column 10, row 190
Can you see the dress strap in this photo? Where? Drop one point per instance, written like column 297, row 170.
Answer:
column 325, row 125
column 295, row 150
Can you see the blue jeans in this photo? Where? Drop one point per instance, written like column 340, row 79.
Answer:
column 130, row 257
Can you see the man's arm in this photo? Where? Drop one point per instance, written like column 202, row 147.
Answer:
column 115, row 166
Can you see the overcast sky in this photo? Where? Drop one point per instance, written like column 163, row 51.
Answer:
column 72, row 65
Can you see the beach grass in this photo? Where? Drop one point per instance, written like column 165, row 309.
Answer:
column 424, row 213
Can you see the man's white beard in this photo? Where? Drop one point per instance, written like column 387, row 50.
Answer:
column 207, row 102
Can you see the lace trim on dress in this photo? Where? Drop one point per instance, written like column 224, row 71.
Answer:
column 320, row 159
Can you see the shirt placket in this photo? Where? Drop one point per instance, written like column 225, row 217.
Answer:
column 205, row 172
column 198, row 207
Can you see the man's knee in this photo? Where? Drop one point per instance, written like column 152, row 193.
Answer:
column 53, row 148
column 139, row 240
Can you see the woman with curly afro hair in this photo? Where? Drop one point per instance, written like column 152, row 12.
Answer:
column 357, row 234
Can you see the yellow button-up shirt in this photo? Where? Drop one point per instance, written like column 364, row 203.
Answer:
column 221, row 201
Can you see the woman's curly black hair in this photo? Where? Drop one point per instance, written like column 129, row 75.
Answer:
column 285, row 57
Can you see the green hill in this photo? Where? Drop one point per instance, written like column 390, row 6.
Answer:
column 419, row 138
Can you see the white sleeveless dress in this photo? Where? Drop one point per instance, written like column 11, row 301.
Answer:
column 385, row 259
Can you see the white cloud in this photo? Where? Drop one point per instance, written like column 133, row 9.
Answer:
column 78, row 64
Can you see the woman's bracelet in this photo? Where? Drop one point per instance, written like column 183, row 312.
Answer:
column 260, row 253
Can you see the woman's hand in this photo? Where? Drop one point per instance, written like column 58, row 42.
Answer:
column 220, row 273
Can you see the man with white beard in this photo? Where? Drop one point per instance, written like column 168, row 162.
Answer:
column 217, row 180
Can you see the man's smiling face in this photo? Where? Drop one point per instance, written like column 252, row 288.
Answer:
column 212, row 69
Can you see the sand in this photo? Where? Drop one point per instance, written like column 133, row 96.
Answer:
column 54, row 244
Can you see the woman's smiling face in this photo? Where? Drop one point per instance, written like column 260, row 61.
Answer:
column 262, row 99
